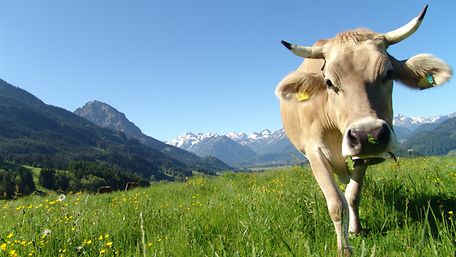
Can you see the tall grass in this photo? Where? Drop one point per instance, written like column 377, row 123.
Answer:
column 406, row 210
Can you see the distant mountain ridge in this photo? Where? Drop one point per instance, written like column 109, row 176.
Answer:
column 106, row 116
column 437, row 141
column 406, row 127
column 242, row 150
column 32, row 132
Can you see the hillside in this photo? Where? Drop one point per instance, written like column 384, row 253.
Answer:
column 223, row 148
column 32, row 132
column 108, row 117
column 405, row 127
column 406, row 209
column 437, row 141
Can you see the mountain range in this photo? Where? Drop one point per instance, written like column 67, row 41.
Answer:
column 267, row 148
column 108, row 117
column 35, row 133
column 433, row 140
column 202, row 150
column 263, row 148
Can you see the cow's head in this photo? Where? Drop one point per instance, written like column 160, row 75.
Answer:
column 357, row 79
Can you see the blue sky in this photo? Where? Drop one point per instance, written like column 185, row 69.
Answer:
column 200, row 66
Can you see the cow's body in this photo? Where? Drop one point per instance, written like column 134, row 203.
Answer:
column 104, row 190
column 131, row 185
column 338, row 105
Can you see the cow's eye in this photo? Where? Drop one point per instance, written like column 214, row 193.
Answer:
column 329, row 83
column 331, row 86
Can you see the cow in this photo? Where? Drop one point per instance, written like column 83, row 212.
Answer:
column 336, row 109
column 131, row 185
column 104, row 190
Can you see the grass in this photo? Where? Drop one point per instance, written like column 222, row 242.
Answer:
column 407, row 210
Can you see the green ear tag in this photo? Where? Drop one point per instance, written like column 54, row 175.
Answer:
column 430, row 79
column 426, row 82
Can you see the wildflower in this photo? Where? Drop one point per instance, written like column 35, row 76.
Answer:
column 149, row 244
column 3, row 247
column 450, row 212
column 13, row 253
column 88, row 242
column 10, row 235
column 102, row 251
column 61, row 197
column 100, row 238
column 108, row 244
column 46, row 232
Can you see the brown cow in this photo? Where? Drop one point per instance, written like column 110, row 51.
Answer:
column 104, row 189
column 337, row 108
column 131, row 185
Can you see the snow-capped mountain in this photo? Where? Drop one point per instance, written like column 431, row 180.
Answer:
column 212, row 144
column 106, row 116
column 405, row 126
column 241, row 149
column 187, row 140
column 414, row 122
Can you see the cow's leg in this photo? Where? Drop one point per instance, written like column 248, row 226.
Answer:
column 335, row 200
column 353, row 196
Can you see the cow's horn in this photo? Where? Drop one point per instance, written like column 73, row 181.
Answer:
column 405, row 31
column 305, row 51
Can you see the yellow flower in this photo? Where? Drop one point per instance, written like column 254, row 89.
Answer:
column 102, row 251
column 450, row 212
column 100, row 238
column 13, row 253
column 3, row 247
column 10, row 235
column 88, row 242
column 108, row 244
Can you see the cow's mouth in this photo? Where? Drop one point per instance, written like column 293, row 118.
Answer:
column 367, row 160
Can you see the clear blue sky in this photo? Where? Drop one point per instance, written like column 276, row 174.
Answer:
column 200, row 66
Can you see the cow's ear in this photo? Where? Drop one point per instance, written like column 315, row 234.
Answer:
column 421, row 71
column 299, row 86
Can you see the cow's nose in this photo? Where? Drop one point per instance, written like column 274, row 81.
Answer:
column 368, row 140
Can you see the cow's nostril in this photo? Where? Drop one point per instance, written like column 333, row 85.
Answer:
column 382, row 134
column 354, row 138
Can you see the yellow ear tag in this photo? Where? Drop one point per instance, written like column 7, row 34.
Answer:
column 302, row 96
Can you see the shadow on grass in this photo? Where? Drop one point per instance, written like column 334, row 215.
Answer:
column 422, row 207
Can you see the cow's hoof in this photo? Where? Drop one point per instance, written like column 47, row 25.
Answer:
column 355, row 232
column 346, row 252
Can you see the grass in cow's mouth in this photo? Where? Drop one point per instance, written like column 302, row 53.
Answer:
column 372, row 140
column 350, row 163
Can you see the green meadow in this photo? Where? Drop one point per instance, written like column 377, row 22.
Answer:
column 408, row 209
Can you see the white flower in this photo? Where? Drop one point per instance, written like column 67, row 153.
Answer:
column 46, row 232
column 61, row 197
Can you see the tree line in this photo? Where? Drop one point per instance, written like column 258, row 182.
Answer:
column 16, row 181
